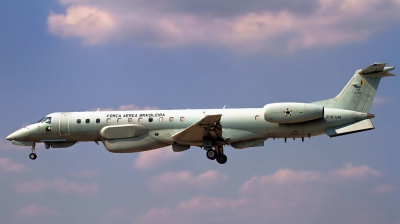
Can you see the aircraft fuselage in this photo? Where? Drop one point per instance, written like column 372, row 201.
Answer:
column 136, row 131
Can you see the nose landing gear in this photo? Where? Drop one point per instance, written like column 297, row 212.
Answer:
column 33, row 155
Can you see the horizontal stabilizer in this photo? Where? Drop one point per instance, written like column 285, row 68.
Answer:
column 364, row 125
column 377, row 70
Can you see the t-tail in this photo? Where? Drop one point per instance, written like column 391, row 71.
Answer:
column 359, row 92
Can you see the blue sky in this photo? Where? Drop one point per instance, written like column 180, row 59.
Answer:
column 79, row 55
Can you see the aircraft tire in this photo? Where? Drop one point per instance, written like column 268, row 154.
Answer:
column 32, row 156
column 211, row 154
column 222, row 159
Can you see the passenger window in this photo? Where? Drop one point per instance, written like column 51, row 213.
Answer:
column 119, row 120
column 171, row 119
column 160, row 119
column 182, row 119
column 87, row 121
column 98, row 120
column 108, row 120
column 140, row 119
column 78, row 121
column 130, row 120
column 150, row 119
column 257, row 117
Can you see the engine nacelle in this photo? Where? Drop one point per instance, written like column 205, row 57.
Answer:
column 292, row 112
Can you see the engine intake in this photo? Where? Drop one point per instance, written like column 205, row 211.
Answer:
column 292, row 112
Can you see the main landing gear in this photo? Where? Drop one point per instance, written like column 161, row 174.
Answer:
column 217, row 154
column 33, row 155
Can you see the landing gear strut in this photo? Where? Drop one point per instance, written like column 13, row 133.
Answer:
column 33, row 155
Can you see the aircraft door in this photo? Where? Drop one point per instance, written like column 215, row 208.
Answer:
column 64, row 124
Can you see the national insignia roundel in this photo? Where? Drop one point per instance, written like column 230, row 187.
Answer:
column 287, row 112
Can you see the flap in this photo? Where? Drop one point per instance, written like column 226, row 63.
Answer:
column 209, row 126
column 359, row 126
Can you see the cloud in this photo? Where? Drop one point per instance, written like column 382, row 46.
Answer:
column 155, row 158
column 351, row 172
column 36, row 210
column 287, row 196
column 58, row 185
column 171, row 182
column 9, row 166
column 383, row 189
column 6, row 145
column 94, row 26
column 116, row 212
column 275, row 27
column 286, row 177
column 192, row 211
column 379, row 100
column 86, row 174
column 116, row 215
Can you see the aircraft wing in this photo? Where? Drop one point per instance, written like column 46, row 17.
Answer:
column 209, row 126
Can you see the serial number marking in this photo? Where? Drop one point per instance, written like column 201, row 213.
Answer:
column 331, row 117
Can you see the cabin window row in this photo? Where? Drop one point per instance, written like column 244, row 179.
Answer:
column 130, row 120
column 87, row 121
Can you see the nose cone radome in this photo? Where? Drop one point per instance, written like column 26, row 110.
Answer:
column 10, row 137
column 21, row 134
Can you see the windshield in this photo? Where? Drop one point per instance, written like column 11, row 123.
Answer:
column 40, row 120
column 47, row 120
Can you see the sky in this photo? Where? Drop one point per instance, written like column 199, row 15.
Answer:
column 80, row 55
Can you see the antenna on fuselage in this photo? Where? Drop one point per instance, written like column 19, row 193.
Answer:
column 224, row 107
column 98, row 109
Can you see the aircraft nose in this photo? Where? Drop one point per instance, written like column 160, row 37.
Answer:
column 10, row 137
column 20, row 134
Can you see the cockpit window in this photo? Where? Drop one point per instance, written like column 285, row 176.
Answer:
column 39, row 121
column 47, row 120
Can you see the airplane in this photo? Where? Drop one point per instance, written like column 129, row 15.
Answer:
column 211, row 129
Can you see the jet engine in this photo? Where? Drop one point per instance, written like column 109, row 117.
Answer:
column 292, row 112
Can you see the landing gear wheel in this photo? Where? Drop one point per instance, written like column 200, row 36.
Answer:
column 221, row 158
column 32, row 156
column 211, row 154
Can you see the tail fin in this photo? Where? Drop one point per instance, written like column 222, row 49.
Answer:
column 360, row 91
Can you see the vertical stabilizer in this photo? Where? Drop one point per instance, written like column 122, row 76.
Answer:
column 360, row 91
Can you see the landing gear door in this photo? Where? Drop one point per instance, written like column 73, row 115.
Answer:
column 64, row 124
